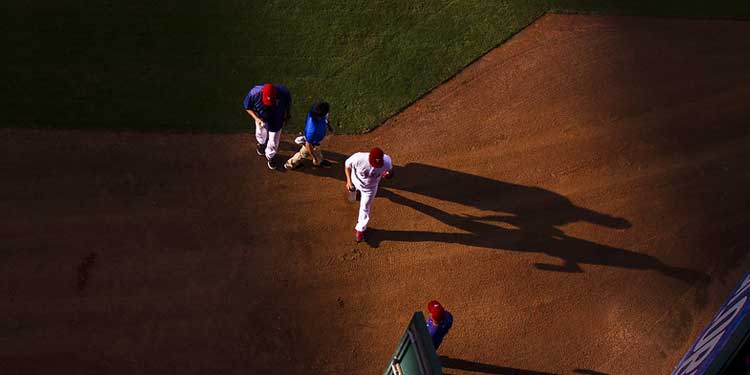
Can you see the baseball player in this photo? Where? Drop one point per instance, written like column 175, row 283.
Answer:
column 315, row 130
column 439, row 322
column 269, row 105
column 363, row 173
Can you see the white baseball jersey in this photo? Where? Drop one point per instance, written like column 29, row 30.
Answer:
column 365, row 177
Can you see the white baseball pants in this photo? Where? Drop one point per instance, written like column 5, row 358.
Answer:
column 365, row 202
column 270, row 139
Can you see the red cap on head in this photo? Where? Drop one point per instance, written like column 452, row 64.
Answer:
column 436, row 310
column 269, row 94
column 376, row 157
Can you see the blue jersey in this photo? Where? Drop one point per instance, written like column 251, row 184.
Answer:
column 315, row 130
column 274, row 116
column 438, row 332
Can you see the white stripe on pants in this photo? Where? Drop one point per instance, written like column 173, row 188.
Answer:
column 365, row 202
column 262, row 135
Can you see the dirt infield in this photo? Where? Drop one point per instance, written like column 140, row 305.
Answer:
column 577, row 198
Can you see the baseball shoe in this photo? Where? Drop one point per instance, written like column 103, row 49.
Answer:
column 360, row 236
column 261, row 149
column 272, row 164
column 289, row 167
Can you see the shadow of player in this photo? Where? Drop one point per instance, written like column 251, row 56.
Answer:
column 523, row 218
column 532, row 207
column 483, row 232
column 460, row 364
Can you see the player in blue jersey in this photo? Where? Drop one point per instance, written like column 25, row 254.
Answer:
column 439, row 322
column 269, row 105
column 316, row 126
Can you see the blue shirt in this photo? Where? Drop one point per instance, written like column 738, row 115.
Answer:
column 273, row 116
column 438, row 332
column 315, row 130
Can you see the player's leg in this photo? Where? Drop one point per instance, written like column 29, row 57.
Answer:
column 365, row 204
column 271, row 147
column 261, row 136
column 318, row 155
column 295, row 160
column 304, row 153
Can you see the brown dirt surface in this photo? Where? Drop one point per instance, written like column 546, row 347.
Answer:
column 577, row 199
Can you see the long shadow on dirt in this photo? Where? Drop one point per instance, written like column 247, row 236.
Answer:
column 460, row 364
column 525, row 218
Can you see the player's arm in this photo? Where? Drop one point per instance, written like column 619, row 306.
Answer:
column 328, row 124
column 252, row 114
column 348, row 165
column 258, row 120
column 389, row 171
column 387, row 174
column 348, row 171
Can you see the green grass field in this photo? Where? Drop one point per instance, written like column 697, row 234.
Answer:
column 186, row 66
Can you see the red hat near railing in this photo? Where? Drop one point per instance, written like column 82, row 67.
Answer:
column 436, row 310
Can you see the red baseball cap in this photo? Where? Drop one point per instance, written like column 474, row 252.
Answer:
column 269, row 94
column 436, row 310
column 376, row 157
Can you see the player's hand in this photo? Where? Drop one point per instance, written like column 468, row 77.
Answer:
column 349, row 186
column 260, row 124
column 387, row 174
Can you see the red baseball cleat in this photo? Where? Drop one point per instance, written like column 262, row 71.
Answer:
column 360, row 236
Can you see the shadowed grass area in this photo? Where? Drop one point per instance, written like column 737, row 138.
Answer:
column 662, row 8
column 186, row 66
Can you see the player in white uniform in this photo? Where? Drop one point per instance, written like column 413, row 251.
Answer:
column 363, row 172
